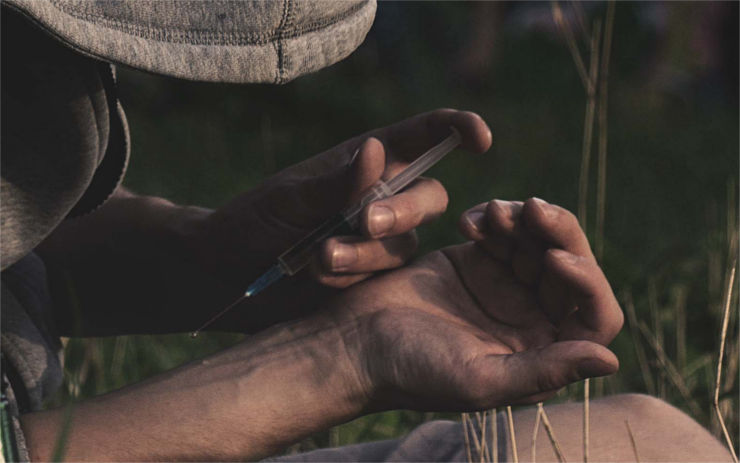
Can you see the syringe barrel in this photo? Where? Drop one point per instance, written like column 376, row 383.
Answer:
column 346, row 222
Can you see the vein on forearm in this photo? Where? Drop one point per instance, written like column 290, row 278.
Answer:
column 243, row 403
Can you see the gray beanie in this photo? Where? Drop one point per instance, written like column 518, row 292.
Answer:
column 269, row 41
column 65, row 140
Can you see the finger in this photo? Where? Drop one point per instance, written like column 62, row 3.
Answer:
column 411, row 137
column 472, row 223
column 503, row 217
column 342, row 280
column 354, row 254
column 332, row 188
column 473, row 226
column 557, row 226
column 598, row 317
column 526, row 261
column 555, row 298
column 506, row 378
column 496, row 293
column 367, row 168
column 334, row 280
column 425, row 200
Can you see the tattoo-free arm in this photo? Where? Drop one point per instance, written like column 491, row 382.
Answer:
column 244, row 403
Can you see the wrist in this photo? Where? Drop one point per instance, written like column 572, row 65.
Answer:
column 300, row 377
column 333, row 365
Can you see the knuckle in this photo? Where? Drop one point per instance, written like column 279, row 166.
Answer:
column 569, row 218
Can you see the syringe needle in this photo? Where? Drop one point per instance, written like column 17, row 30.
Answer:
column 274, row 274
column 195, row 333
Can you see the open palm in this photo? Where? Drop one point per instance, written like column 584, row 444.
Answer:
column 511, row 318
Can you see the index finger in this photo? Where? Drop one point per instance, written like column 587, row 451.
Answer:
column 557, row 226
column 411, row 137
column 598, row 317
column 408, row 139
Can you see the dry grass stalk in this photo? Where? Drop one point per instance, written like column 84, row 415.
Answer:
column 484, row 443
column 639, row 349
column 671, row 370
column 469, row 429
column 580, row 18
column 679, row 305
column 731, row 367
column 723, row 337
column 603, row 131
column 590, row 81
column 657, row 331
column 557, row 15
column 551, row 434
column 586, row 417
column 466, row 438
column 476, row 441
column 632, row 441
column 537, row 419
column 693, row 367
column 494, row 436
column 588, row 126
column 512, row 434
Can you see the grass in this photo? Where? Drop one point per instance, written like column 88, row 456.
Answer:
column 723, row 339
column 632, row 441
column 665, row 227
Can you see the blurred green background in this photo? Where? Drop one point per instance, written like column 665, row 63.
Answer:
column 671, row 186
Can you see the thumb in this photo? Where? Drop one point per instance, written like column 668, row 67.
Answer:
column 537, row 371
column 337, row 187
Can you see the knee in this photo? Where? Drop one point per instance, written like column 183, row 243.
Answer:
column 642, row 405
column 662, row 431
column 645, row 409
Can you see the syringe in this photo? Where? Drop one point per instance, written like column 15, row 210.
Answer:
column 297, row 257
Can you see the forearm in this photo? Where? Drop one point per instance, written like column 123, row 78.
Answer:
column 129, row 268
column 126, row 219
column 142, row 265
column 245, row 403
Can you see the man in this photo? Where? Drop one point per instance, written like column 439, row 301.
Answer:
column 511, row 317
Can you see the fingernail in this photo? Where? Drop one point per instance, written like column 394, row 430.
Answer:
column 547, row 208
column 475, row 220
column 381, row 220
column 342, row 257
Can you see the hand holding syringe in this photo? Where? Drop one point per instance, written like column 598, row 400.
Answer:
column 297, row 257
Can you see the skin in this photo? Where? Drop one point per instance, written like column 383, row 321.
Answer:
column 510, row 317
column 456, row 330
column 176, row 266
